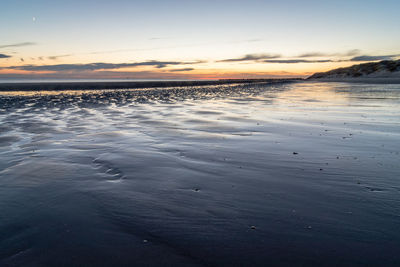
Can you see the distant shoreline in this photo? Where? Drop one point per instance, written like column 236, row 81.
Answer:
column 76, row 85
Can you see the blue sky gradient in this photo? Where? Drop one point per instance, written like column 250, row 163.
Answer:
column 84, row 32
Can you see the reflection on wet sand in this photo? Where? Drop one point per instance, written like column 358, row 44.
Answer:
column 211, row 175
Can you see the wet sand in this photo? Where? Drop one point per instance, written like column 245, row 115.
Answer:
column 111, row 84
column 259, row 174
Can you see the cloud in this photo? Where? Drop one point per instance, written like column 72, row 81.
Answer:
column 313, row 54
column 97, row 75
column 168, row 47
column 143, row 49
column 343, row 57
column 271, row 58
column 251, row 57
column 17, row 44
column 184, row 69
column 294, row 61
column 160, row 38
column 152, row 74
column 4, row 56
column 352, row 52
column 254, row 40
column 373, row 58
column 57, row 57
column 354, row 59
column 99, row 66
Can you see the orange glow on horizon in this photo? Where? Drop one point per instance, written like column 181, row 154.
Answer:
column 203, row 71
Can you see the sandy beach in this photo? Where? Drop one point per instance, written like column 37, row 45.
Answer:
column 213, row 175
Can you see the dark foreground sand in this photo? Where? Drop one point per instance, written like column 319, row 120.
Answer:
column 225, row 175
column 95, row 85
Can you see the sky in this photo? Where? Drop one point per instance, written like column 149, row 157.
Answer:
column 192, row 39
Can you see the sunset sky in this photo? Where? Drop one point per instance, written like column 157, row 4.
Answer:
column 192, row 39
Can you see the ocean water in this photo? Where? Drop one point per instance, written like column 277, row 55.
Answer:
column 234, row 175
column 82, row 80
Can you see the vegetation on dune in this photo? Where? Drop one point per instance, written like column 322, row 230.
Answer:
column 366, row 69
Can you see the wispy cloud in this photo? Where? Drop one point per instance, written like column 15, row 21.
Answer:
column 268, row 57
column 17, row 44
column 151, row 74
column 141, row 49
column 57, row 57
column 184, row 69
column 190, row 45
column 349, row 53
column 4, row 56
column 353, row 52
column 313, row 54
column 294, row 61
column 374, row 58
column 160, row 38
column 254, row 40
column 98, row 75
column 251, row 57
column 308, row 58
column 100, row 66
